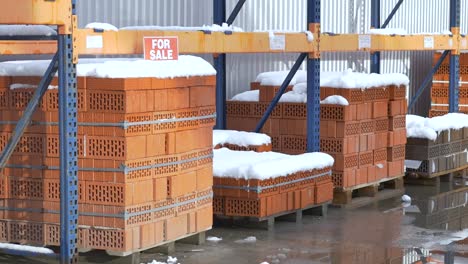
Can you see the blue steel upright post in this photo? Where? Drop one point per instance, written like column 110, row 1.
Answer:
column 375, row 23
column 68, row 149
column 454, row 86
column 219, row 17
column 313, row 81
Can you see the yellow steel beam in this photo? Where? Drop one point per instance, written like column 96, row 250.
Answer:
column 125, row 42
column 36, row 12
column 195, row 42
column 355, row 42
column 27, row 47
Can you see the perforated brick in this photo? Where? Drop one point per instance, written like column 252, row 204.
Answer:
column 241, row 109
column 207, row 112
column 167, row 126
column 294, row 111
column 368, row 126
column 166, row 166
column 109, row 239
column 106, row 101
column 187, row 114
column 143, row 129
column 366, row 158
column 218, row 205
column 52, row 100
column 380, row 155
column 141, row 173
column 22, row 188
column 19, row 99
column 381, row 125
column 242, row 207
column 396, row 153
column 31, row 233
column 30, row 144
column 140, row 218
column 347, row 161
column 338, row 113
column 293, row 144
column 259, row 110
column 397, row 122
column 340, row 145
column 4, row 100
column 105, row 193
column 397, row 92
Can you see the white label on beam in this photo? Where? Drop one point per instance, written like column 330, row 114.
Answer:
column 463, row 43
column 94, row 42
column 365, row 42
column 277, row 42
column 428, row 42
column 450, row 42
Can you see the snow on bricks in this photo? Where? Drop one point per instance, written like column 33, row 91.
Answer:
column 437, row 145
column 362, row 116
column 265, row 184
column 145, row 153
column 240, row 140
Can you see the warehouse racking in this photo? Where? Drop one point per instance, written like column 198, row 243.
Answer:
column 71, row 42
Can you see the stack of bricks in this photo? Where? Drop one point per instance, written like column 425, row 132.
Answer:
column 446, row 153
column 366, row 138
column 440, row 86
column 261, row 198
column 144, row 158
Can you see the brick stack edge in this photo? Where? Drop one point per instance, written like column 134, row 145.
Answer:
column 440, row 86
column 366, row 138
column 446, row 153
column 142, row 184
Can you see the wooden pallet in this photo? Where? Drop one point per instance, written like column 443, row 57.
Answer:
column 365, row 194
column 268, row 222
column 167, row 248
column 434, row 179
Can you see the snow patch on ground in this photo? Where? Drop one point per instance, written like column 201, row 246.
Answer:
column 39, row 250
column 213, row 28
column 27, row 30
column 239, row 138
column 250, row 239
column 265, row 165
column 214, row 239
column 406, row 198
column 102, row 26
column 335, row 100
column 186, row 66
column 421, row 127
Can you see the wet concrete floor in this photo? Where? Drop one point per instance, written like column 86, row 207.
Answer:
column 383, row 232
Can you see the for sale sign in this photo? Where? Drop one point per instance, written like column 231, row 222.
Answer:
column 161, row 48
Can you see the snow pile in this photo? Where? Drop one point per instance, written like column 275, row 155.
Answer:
column 421, row 127
column 388, row 31
column 39, row 250
column 248, row 96
column 346, row 79
column 266, row 165
column 15, row 86
column 276, row 78
column 214, row 239
column 239, row 138
column 406, row 199
column 186, row 66
column 102, row 26
column 170, row 260
column 356, row 80
column 335, row 100
column 213, row 28
column 250, row 239
column 26, row 30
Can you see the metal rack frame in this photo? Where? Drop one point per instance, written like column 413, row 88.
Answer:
column 71, row 42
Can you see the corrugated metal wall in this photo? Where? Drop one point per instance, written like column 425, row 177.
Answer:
column 338, row 16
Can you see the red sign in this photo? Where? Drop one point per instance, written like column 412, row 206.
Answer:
column 161, row 48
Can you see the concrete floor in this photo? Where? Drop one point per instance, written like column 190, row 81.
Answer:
column 378, row 233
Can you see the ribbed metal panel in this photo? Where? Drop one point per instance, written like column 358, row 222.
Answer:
column 338, row 16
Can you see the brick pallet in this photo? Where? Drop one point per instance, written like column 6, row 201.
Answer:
column 442, row 156
column 366, row 138
column 266, row 199
column 145, row 163
column 440, row 86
